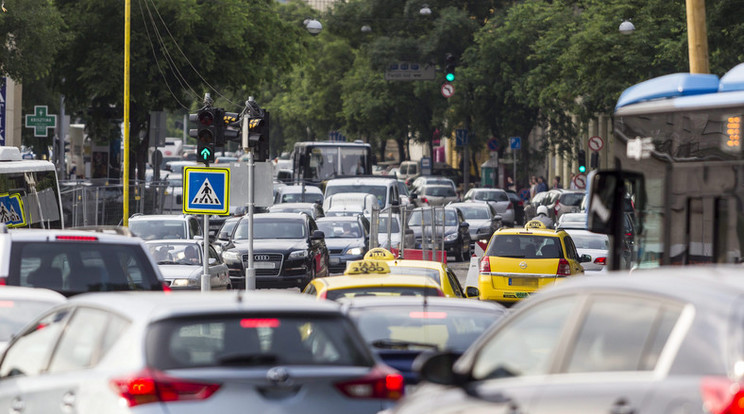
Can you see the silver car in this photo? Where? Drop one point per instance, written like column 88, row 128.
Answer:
column 215, row 352
column 596, row 245
column 180, row 262
column 495, row 197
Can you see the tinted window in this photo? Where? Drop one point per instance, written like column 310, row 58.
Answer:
column 383, row 291
column 416, row 217
column 475, row 213
column 76, row 267
column 588, row 241
column 340, row 229
column 491, row 196
column 525, row 246
column 621, row 334
column 525, row 345
column 379, row 191
column 572, row 199
column 302, row 198
column 159, row 229
column 254, row 340
column 30, row 353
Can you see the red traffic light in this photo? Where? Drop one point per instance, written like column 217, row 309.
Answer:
column 206, row 118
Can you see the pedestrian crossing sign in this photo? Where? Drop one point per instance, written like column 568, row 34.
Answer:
column 11, row 210
column 206, row 190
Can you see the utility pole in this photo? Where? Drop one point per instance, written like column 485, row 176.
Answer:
column 697, row 36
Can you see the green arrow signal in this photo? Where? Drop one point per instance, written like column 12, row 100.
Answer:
column 205, row 153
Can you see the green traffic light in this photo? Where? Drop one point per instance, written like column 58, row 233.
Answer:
column 582, row 168
column 206, row 154
column 450, row 77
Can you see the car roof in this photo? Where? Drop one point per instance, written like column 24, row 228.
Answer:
column 470, row 204
column 338, row 218
column 50, row 235
column 159, row 217
column 527, row 232
column 377, row 180
column 282, row 215
column 30, row 293
column 175, row 241
column 436, row 302
column 157, row 305
column 291, row 205
column 428, row 264
column 585, row 232
column 377, row 279
column 299, row 189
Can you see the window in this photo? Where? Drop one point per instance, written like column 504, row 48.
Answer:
column 622, row 334
column 30, row 353
column 79, row 346
column 526, row 344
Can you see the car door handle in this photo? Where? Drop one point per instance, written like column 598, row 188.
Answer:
column 68, row 402
column 621, row 406
column 17, row 405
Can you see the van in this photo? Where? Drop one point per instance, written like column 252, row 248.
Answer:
column 350, row 204
column 384, row 189
column 408, row 169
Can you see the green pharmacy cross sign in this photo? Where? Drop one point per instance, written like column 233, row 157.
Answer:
column 40, row 121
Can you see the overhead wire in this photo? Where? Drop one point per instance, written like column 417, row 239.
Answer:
column 157, row 61
column 186, row 57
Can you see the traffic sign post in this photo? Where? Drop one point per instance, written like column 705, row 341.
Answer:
column 461, row 137
column 515, row 143
column 493, row 144
column 11, row 210
column 447, row 89
column 206, row 190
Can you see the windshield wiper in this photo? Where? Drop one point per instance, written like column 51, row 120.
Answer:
column 398, row 344
column 247, row 359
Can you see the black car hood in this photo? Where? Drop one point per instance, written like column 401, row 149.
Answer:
column 339, row 243
column 275, row 245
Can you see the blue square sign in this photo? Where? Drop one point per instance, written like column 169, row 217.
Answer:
column 206, row 190
column 515, row 142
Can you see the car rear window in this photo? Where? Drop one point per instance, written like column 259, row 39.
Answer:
column 254, row 340
column 572, row 199
column 525, row 246
column 383, row 291
column 491, row 196
column 158, row 229
column 72, row 267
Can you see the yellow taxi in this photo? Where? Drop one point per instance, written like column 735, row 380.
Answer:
column 518, row 262
column 372, row 278
column 439, row 272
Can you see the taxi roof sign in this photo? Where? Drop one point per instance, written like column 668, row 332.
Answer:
column 535, row 224
column 359, row 267
column 379, row 253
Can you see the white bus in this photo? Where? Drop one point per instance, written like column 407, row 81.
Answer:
column 29, row 192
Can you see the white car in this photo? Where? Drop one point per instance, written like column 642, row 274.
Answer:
column 595, row 245
column 19, row 305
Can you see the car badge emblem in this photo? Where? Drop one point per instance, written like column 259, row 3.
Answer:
column 523, row 265
column 261, row 258
column 278, row 375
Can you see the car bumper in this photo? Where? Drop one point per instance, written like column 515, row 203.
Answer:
column 513, row 287
column 290, row 273
column 338, row 261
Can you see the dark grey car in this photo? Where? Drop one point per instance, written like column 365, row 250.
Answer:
column 660, row 341
column 482, row 220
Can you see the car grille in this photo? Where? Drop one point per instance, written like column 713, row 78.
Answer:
column 262, row 259
column 335, row 251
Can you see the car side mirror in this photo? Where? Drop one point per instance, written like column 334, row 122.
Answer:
column 497, row 218
column 224, row 236
column 317, row 235
column 437, row 368
column 465, row 224
column 472, row 292
column 212, row 261
column 585, row 258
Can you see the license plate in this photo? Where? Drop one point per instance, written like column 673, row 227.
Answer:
column 522, row 295
column 523, row 281
column 335, row 260
column 264, row 265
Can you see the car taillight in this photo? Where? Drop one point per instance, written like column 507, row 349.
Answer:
column 323, row 294
column 485, row 265
column 721, row 396
column 148, row 386
column 600, row 261
column 3, row 281
column 557, row 208
column 423, row 199
column 166, row 287
column 78, row 238
column 509, row 206
column 564, row 269
column 382, row 382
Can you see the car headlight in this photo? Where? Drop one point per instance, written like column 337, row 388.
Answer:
column 451, row 237
column 184, row 282
column 231, row 256
column 355, row 251
column 298, row 254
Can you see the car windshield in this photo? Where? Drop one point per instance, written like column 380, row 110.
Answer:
column 591, row 241
column 525, row 246
column 278, row 208
column 475, row 212
column 490, row 196
column 379, row 191
column 383, row 291
column 272, row 229
column 176, row 253
column 450, row 218
column 395, row 228
column 158, row 229
column 254, row 339
column 340, row 229
column 439, row 190
column 302, row 198
column 446, row 329
column 410, row 270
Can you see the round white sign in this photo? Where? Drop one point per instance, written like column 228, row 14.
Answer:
column 448, row 89
column 580, row 181
column 596, row 143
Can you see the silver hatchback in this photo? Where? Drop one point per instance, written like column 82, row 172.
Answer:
column 225, row 352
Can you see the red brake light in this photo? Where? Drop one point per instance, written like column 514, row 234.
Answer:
column 166, row 288
column 382, row 382
column 722, row 396
column 149, row 386
column 3, row 281
column 485, row 265
column 601, row 260
column 259, row 323
column 564, row 269
column 423, row 199
column 78, row 238
column 509, row 206
column 427, row 315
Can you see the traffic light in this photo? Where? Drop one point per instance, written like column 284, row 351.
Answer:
column 258, row 137
column 594, row 162
column 204, row 133
column 582, row 161
column 219, row 127
column 231, row 131
column 449, row 67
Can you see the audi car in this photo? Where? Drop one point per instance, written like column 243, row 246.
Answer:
column 288, row 251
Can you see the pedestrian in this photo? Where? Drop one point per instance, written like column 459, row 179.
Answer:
column 557, row 182
column 541, row 185
column 533, row 186
column 510, row 184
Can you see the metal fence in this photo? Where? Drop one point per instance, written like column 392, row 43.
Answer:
column 88, row 204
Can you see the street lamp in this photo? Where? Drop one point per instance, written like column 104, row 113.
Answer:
column 626, row 27
column 313, row 26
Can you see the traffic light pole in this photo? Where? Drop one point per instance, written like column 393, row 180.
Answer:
column 250, row 271
column 206, row 280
